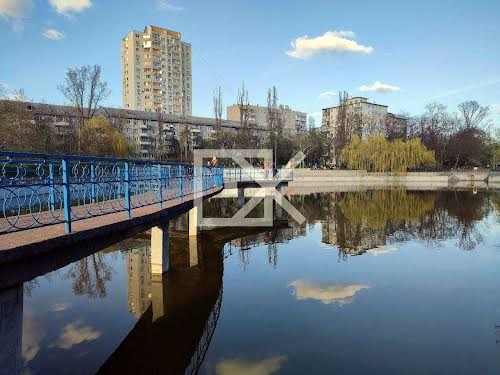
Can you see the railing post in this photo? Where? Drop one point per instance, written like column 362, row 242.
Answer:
column 92, row 182
column 160, row 195
column 127, row 189
column 66, row 195
column 181, row 182
column 52, row 200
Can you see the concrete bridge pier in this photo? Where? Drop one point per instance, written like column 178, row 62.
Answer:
column 159, row 265
column 193, row 221
column 159, row 249
column 11, row 329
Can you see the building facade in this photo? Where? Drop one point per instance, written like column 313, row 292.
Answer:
column 156, row 71
column 154, row 135
column 294, row 122
column 364, row 119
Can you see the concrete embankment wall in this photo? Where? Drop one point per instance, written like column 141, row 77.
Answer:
column 424, row 180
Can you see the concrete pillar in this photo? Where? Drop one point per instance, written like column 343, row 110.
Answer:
column 193, row 251
column 159, row 249
column 241, row 197
column 157, row 297
column 193, row 221
column 11, row 330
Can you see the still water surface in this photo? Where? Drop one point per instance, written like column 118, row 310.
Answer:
column 383, row 282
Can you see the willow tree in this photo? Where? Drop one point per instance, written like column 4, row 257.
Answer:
column 100, row 138
column 377, row 154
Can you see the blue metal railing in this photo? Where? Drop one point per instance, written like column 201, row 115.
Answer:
column 257, row 174
column 38, row 190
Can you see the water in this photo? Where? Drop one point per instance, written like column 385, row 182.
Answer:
column 383, row 282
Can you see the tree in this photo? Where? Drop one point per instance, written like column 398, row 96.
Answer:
column 85, row 90
column 217, row 102
column 436, row 127
column 243, row 105
column 473, row 115
column 341, row 133
column 24, row 130
column 273, row 120
column 100, row 138
column 376, row 154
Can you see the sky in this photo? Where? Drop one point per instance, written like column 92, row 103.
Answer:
column 399, row 53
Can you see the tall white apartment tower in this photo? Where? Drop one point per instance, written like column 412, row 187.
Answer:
column 156, row 71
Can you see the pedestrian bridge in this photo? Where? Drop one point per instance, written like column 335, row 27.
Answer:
column 53, row 201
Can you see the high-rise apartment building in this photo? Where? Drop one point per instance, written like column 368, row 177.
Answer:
column 156, row 71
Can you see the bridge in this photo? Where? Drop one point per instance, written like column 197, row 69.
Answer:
column 52, row 201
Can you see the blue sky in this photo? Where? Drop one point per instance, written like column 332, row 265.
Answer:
column 418, row 51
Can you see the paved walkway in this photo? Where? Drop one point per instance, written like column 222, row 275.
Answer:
column 17, row 245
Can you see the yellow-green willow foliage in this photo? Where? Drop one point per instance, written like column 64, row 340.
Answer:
column 377, row 154
column 375, row 208
column 100, row 138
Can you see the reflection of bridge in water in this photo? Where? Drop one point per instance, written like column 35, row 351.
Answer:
column 175, row 292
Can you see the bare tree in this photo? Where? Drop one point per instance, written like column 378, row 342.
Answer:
column 273, row 119
column 217, row 100
column 473, row 114
column 341, row 133
column 243, row 105
column 85, row 90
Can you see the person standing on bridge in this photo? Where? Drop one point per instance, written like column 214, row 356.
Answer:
column 266, row 169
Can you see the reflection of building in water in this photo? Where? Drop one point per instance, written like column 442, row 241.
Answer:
column 139, row 280
column 282, row 235
column 352, row 240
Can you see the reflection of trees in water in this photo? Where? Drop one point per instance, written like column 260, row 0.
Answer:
column 90, row 275
column 359, row 221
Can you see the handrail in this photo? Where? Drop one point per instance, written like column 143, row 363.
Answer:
column 15, row 154
column 38, row 190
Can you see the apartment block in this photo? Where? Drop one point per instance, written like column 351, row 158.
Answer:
column 362, row 117
column 156, row 71
column 294, row 122
column 153, row 134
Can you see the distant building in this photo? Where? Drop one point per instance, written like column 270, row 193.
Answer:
column 156, row 71
column 294, row 122
column 363, row 118
column 142, row 129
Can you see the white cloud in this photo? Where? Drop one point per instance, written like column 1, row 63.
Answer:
column 496, row 107
column 53, row 34
column 166, row 6
column 56, row 307
column 327, row 95
column 14, row 11
column 75, row 333
column 379, row 250
column 33, row 334
column 331, row 41
column 266, row 366
column 326, row 293
column 378, row 86
column 67, row 7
